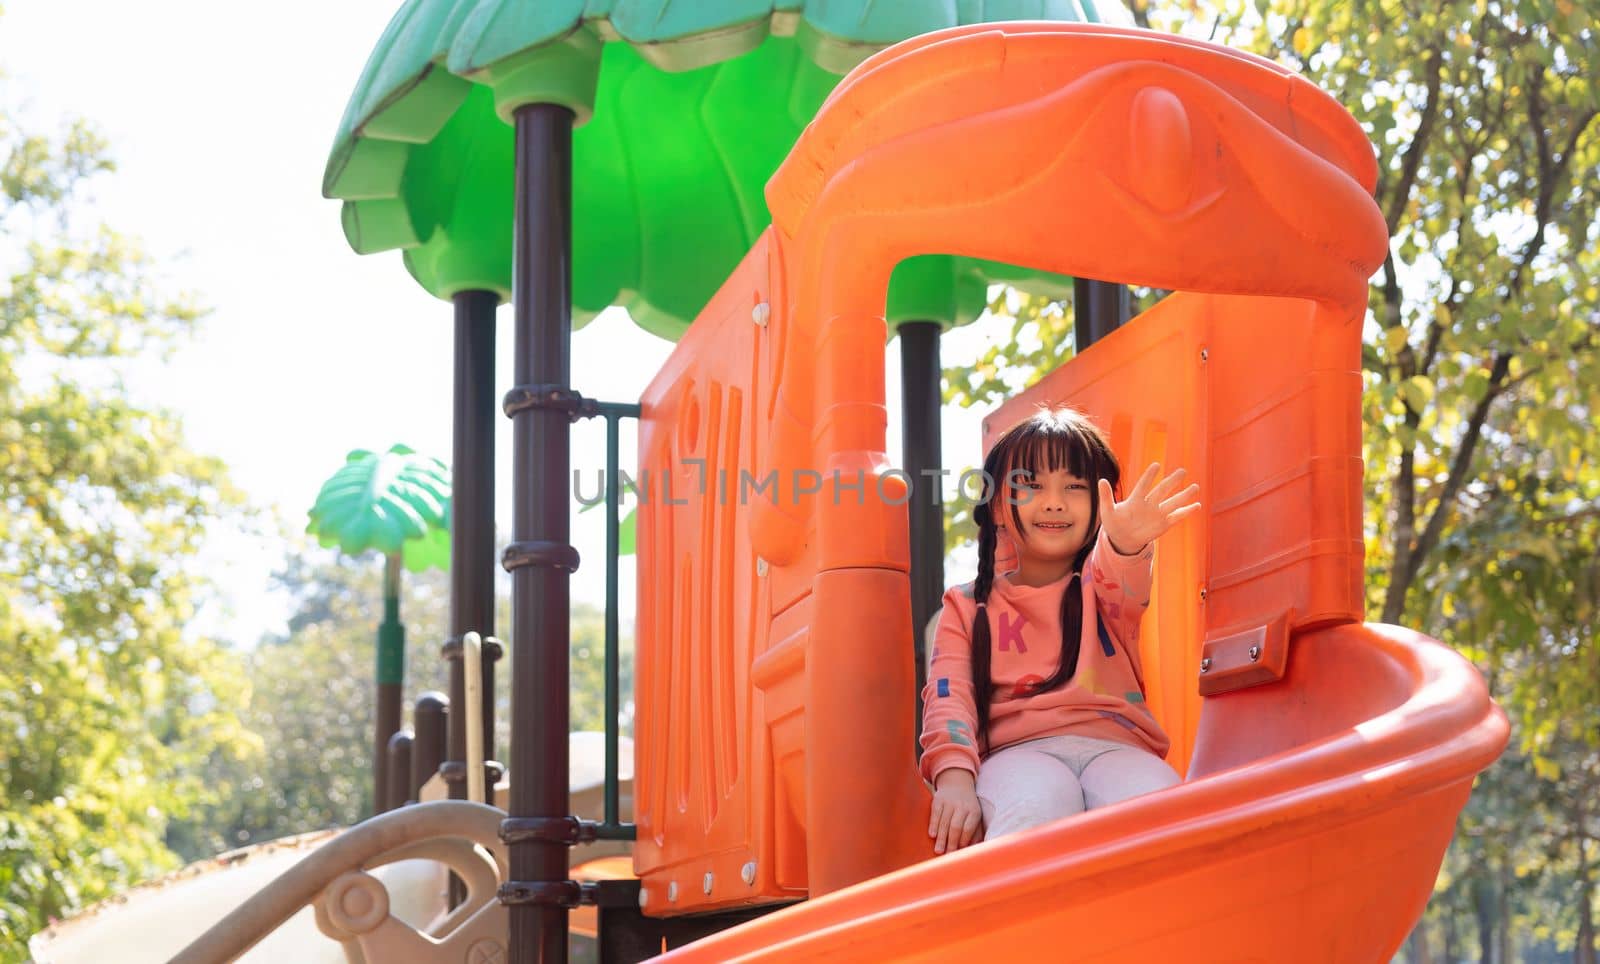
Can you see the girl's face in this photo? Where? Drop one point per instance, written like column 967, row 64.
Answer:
column 1055, row 510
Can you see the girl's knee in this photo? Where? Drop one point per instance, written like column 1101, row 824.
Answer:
column 1022, row 793
column 1125, row 774
column 1029, row 811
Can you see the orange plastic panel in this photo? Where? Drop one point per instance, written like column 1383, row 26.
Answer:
column 1258, row 398
column 703, row 785
column 773, row 697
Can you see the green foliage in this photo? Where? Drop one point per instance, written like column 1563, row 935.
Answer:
column 312, row 702
column 108, row 706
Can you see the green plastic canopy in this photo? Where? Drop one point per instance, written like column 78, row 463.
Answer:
column 686, row 109
column 396, row 502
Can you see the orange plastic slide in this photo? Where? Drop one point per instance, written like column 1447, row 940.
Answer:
column 1326, row 759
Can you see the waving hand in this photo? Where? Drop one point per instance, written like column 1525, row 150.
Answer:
column 1148, row 511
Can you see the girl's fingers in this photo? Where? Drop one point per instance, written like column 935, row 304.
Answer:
column 1142, row 487
column 933, row 817
column 1167, row 485
column 1182, row 498
column 944, row 831
column 1178, row 515
column 969, row 829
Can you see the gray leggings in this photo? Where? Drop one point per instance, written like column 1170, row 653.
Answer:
column 1033, row 783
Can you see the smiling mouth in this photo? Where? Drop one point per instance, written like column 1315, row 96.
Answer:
column 1061, row 526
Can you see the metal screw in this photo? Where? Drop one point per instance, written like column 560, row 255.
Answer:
column 1205, row 665
column 761, row 567
column 1202, row 595
column 644, row 897
column 1255, row 653
column 748, row 872
column 672, row 890
column 1204, row 354
column 706, row 884
column 760, row 313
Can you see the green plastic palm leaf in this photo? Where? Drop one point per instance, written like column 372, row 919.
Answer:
column 429, row 552
column 396, row 502
column 683, row 112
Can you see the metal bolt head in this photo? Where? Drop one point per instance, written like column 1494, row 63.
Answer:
column 1202, row 595
column 672, row 890
column 1204, row 354
column 762, row 567
column 705, row 885
column 1205, row 665
column 748, row 872
column 644, row 897
column 1255, row 653
column 761, row 313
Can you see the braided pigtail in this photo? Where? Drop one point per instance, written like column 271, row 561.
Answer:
column 982, row 684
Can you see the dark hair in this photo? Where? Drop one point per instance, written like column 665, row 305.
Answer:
column 1049, row 440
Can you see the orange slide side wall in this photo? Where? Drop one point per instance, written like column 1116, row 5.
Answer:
column 1258, row 399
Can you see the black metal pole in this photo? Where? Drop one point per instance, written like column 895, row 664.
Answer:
column 429, row 723
column 472, row 559
column 920, row 374
column 1099, row 307
column 540, row 557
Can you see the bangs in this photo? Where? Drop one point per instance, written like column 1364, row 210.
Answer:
column 1046, row 444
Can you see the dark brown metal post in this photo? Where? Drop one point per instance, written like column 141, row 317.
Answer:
column 540, row 558
column 1099, row 308
column 429, row 722
column 399, row 771
column 472, row 520
column 920, row 374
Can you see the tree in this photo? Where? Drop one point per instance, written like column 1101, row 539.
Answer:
column 311, row 705
column 312, row 700
column 107, row 703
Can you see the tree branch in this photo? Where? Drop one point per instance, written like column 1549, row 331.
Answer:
column 1411, row 160
column 1459, row 466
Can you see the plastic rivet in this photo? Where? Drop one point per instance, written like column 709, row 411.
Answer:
column 644, row 897
column 762, row 567
column 760, row 313
column 748, row 872
column 1205, row 665
column 706, row 884
column 1255, row 653
column 672, row 890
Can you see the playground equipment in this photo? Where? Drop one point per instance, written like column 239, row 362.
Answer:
column 779, row 815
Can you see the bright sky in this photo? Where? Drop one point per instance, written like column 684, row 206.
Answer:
column 220, row 118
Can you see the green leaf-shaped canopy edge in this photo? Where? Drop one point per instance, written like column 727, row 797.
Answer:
column 398, row 501
column 685, row 108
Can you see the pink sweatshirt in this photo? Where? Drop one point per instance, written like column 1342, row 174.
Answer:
column 1105, row 699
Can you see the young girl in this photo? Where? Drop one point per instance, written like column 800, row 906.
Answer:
column 1034, row 707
